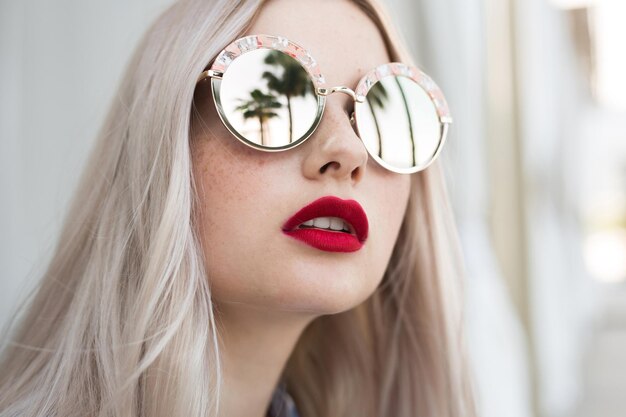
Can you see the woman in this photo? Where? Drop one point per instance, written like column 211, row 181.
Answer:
column 196, row 275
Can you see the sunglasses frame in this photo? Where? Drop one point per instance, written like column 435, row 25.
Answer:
column 261, row 41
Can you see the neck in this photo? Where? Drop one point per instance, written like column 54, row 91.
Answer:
column 256, row 344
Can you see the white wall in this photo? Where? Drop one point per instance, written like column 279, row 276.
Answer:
column 554, row 102
column 449, row 41
column 59, row 65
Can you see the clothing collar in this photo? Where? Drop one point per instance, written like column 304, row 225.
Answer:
column 282, row 404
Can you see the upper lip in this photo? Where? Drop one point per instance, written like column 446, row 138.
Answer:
column 331, row 206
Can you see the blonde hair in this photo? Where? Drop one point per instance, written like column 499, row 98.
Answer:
column 122, row 321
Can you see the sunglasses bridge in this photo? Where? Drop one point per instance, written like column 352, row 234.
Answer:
column 340, row 89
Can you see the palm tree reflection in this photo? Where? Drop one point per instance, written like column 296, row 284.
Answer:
column 293, row 82
column 377, row 98
column 259, row 105
column 408, row 115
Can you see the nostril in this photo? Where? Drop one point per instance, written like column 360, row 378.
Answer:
column 323, row 169
column 356, row 173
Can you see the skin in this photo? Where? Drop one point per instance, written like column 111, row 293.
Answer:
column 267, row 287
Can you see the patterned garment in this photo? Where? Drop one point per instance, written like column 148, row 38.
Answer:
column 282, row 404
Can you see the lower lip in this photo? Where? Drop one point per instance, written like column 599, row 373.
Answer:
column 327, row 240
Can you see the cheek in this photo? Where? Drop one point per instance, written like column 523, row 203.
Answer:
column 230, row 177
column 394, row 198
column 234, row 198
column 388, row 197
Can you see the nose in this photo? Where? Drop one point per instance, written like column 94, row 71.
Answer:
column 335, row 150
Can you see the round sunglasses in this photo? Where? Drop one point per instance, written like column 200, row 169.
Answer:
column 270, row 94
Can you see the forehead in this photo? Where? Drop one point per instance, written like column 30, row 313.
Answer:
column 344, row 41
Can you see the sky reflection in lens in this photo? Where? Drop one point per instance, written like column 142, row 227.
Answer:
column 268, row 97
column 399, row 122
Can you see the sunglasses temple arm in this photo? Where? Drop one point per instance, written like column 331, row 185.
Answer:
column 209, row 74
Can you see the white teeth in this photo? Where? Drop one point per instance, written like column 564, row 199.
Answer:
column 332, row 223
column 336, row 224
column 322, row 222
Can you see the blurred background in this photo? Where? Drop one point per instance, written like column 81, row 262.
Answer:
column 535, row 165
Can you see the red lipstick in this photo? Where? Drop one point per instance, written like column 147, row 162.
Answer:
column 350, row 211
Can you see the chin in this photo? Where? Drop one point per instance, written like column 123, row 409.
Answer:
column 342, row 295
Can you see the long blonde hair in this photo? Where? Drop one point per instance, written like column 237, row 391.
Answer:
column 122, row 321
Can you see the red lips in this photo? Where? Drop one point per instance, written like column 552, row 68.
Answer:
column 330, row 206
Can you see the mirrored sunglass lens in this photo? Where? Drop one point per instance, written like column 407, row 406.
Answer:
column 268, row 98
column 399, row 123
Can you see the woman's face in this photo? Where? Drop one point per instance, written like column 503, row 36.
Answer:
column 246, row 195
